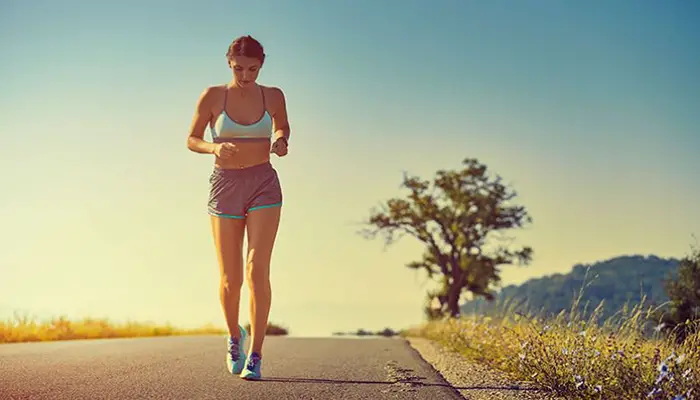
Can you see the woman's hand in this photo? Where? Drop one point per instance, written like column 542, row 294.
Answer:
column 225, row 150
column 279, row 147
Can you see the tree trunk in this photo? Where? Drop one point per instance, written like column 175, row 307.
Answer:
column 453, row 300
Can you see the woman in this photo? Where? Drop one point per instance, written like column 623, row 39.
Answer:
column 248, row 121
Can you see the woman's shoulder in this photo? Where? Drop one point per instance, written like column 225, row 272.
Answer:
column 271, row 89
column 212, row 93
column 274, row 93
column 213, row 90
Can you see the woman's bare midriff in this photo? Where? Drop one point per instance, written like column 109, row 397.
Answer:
column 248, row 155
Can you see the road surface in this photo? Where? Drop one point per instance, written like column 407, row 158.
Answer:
column 193, row 367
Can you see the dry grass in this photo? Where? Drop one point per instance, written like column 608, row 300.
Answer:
column 576, row 358
column 25, row 329
column 272, row 330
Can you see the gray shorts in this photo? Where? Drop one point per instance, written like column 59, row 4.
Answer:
column 235, row 192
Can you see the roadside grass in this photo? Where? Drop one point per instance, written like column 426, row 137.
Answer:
column 272, row 329
column 575, row 357
column 26, row 329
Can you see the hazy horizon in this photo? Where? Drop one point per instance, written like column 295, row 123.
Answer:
column 589, row 111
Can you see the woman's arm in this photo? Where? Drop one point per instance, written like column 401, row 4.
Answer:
column 279, row 115
column 202, row 116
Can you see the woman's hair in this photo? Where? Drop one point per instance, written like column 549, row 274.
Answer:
column 246, row 46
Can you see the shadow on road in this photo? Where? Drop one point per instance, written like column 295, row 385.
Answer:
column 398, row 382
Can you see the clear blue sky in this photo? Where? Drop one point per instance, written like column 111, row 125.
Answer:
column 590, row 110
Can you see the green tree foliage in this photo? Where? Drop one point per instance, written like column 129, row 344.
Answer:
column 457, row 218
column 682, row 316
column 617, row 282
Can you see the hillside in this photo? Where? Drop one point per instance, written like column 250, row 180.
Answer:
column 617, row 280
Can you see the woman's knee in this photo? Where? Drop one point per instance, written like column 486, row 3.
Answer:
column 257, row 268
column 231, row 282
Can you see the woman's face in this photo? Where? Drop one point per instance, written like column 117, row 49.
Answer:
column 245, row 70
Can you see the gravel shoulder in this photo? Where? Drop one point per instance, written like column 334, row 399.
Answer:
column 474, row 381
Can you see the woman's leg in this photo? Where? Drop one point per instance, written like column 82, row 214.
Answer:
column 228, row 239
column 262, row 227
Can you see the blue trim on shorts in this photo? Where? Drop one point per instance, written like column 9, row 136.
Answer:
column 228, row 216
column 250, row 209
column 265, row 206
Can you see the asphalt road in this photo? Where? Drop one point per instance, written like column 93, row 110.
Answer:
column 193, row 367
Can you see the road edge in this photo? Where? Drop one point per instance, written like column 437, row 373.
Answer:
column 472, row 380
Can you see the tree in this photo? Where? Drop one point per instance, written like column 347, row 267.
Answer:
column 454, row 218
column 683, row 314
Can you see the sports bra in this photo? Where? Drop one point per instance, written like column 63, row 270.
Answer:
column 226, row 129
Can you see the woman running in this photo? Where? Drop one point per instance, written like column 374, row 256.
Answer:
column 248, row 121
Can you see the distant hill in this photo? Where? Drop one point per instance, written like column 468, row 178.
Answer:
column 617, row 280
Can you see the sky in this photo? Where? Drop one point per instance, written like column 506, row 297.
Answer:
column 588, row 110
